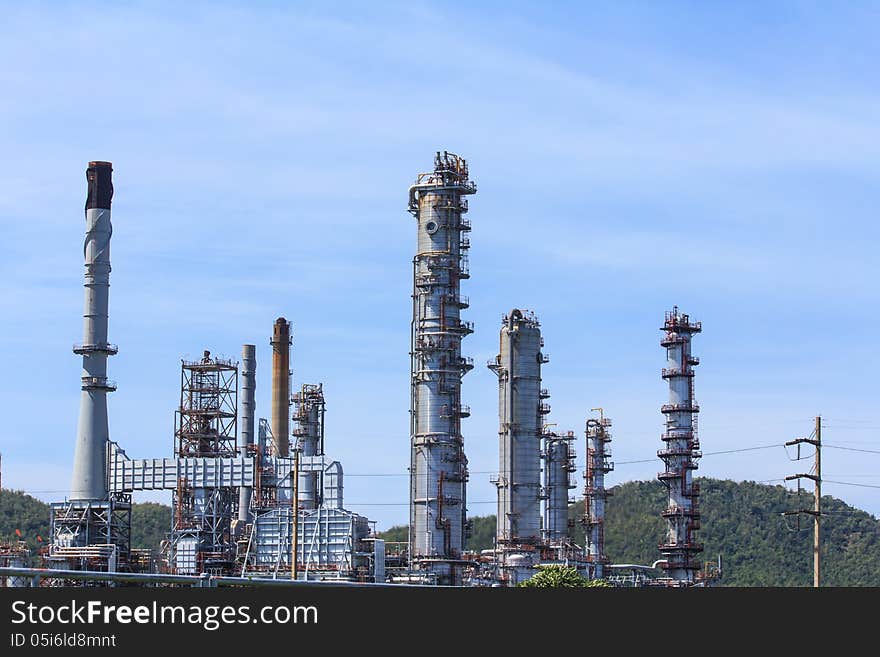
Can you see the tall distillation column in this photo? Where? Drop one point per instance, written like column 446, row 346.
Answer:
column 281, row 387
column 595, row 494
column 248, row 411
column 89, row 461
column 309, row 408
column 438, row 466
column 520, row 422
column 679, row 455
column 559, row 458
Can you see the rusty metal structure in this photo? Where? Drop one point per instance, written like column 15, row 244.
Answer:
column 281, row 342
column 680, row 452
column 206, row 428
column 595, row 493
column 438, row 467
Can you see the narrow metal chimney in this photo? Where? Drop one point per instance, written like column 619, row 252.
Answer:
column 281, row 387
column 89, row 461
column 248, row 410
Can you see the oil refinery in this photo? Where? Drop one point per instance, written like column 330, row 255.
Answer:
column 260, row 501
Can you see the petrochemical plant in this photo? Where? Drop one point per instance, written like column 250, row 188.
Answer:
column 259, row 501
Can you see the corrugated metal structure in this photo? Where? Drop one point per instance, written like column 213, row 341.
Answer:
column 438, row 468
column 681, row 451
column 595, row 494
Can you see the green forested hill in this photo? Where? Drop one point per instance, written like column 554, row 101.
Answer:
column 743, row 522
column 149, row 521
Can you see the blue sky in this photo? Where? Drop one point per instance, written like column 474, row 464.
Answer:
column 628, row 156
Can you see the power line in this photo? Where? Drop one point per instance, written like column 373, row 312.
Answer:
column 726, row 451
column 854, row 449
column 850, row 483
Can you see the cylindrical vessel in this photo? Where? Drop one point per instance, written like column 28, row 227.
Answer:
column 681, row 450
column 557, row 468
column 248, row 412
column 520, row 412
column 595, row 494
column 89, row 462
column 281, row 387
column 309, row 430
column 438, row 468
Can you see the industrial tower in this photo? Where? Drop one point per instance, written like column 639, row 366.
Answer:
column 595, row 494
column 206, row 427
column 680, row 452
column 281, row 342
column 248, row 415
column 521, row 409
column 438, row 466
column 559, row 456
column 308, row 416
column 92, row 529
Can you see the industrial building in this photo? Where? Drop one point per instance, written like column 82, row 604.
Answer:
column 255, row 499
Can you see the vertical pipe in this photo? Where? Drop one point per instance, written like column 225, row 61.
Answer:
column 817, row 502
column 281, row 387
column 248, row 411
column 89, row 480
column 294, row 524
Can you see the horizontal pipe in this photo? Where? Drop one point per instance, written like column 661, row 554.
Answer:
column 160, row 578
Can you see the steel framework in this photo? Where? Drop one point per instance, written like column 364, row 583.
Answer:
column 201, row 536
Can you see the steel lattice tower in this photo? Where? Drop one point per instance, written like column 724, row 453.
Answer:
column 201, row 537
column 438, row 468
column 681, row 451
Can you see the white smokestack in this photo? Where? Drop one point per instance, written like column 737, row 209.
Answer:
column 89, row 461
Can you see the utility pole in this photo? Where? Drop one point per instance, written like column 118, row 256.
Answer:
column 294, row 530
column 816, row 476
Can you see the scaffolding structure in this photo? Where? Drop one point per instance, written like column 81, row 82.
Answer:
column 438, row 467
column 91, row 534
column 206, row 426
column 680, row 452
column 595, row 494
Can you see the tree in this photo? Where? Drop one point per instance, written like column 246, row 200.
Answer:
column 556, row 576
